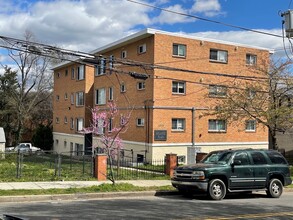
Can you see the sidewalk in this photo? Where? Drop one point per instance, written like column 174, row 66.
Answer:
column 77, row 184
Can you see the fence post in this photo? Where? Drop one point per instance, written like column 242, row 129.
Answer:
column 101, row 167
column 171, row 163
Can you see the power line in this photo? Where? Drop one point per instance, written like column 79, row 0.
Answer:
column 205, row 19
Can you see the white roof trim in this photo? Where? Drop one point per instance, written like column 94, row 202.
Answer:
column 149, row 31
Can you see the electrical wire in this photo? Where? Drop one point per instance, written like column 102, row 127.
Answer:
column 204, row 19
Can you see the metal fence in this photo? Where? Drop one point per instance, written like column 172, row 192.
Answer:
column 128, row 169
column 44, row 166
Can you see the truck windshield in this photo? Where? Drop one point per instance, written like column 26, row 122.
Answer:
column 218, row 157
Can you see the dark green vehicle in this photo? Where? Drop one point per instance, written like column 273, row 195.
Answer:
column 235, row 171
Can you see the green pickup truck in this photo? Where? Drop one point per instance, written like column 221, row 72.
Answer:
column 225, row 171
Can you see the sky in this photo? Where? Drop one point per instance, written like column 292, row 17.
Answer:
column 86, row 25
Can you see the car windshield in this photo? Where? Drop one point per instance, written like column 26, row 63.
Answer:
column 221, row 157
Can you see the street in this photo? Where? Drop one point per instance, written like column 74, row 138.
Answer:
column 237, row 206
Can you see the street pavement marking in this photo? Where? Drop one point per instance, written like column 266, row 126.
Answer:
column 249, row 216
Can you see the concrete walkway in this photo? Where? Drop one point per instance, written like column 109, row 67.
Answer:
column 77, row 184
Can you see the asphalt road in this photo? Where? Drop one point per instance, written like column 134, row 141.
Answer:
column 255, row 206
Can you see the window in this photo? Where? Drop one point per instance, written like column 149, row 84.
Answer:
column 276, row 157
column 179, row 50
column 111, row 93
column 217, row 90
column 250, row 125
column 57, row 120
column 71, row 123
column 57, row 98
column 80, row 72
column 79, row 98
column 122, row 87
column 258, row 158
column 66, row 72
column 79, row 149
column 217, row 125
column 65, row 120
column 178, row 124
column 219, row 55
column 100, row 96
column 123, row 54
column 140, row 122
column 100, row 69
column 243, row 157
column 58, row 75
column 110, row 125
column 140, row 85
column 65, row 144
column 72, row 73
column 141, row 48
column 178, row 87
column 79, row 124
column 65, row 96
column 101, row 127
column 72, row 99
column 250, row 59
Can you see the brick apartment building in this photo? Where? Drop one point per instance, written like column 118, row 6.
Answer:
column 168, row 108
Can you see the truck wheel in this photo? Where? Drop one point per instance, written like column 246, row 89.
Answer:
column 217, row 189
column 275, row 189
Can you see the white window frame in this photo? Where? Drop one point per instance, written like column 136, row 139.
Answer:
column 250, row 125
column 65, row 96
column 80, row 72
column 141, row 49
column 110, row 125
column 217, row 91
column 72, row 98
column 101, row 128
column 216, row 125
column 177, row 87
column 179, row 50
column 100, row 98
column 71, row 123
column 140, row 122
column 111, row 93
column 251, row 59
column 221, row 56
column 79, row 124
column 65, row 120
column 57, row 120
column 122, row 87
column 79, row 98
column 140, row 85
column 57, row 98
column 123, row 54
column 179, row 124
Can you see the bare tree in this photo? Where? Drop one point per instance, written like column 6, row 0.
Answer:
column 265, row 99
column 33, row 87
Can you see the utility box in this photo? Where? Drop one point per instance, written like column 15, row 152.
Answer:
column 288, row 23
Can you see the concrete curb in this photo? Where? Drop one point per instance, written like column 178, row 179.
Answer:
column 83, row 196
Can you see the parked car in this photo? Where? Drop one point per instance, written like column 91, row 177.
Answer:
column 26, row 148
column 235, row 171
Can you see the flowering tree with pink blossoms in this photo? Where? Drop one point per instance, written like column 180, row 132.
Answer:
column 103, row 126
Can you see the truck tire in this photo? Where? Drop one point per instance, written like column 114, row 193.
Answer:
column 217, row 189
column 275, row 188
